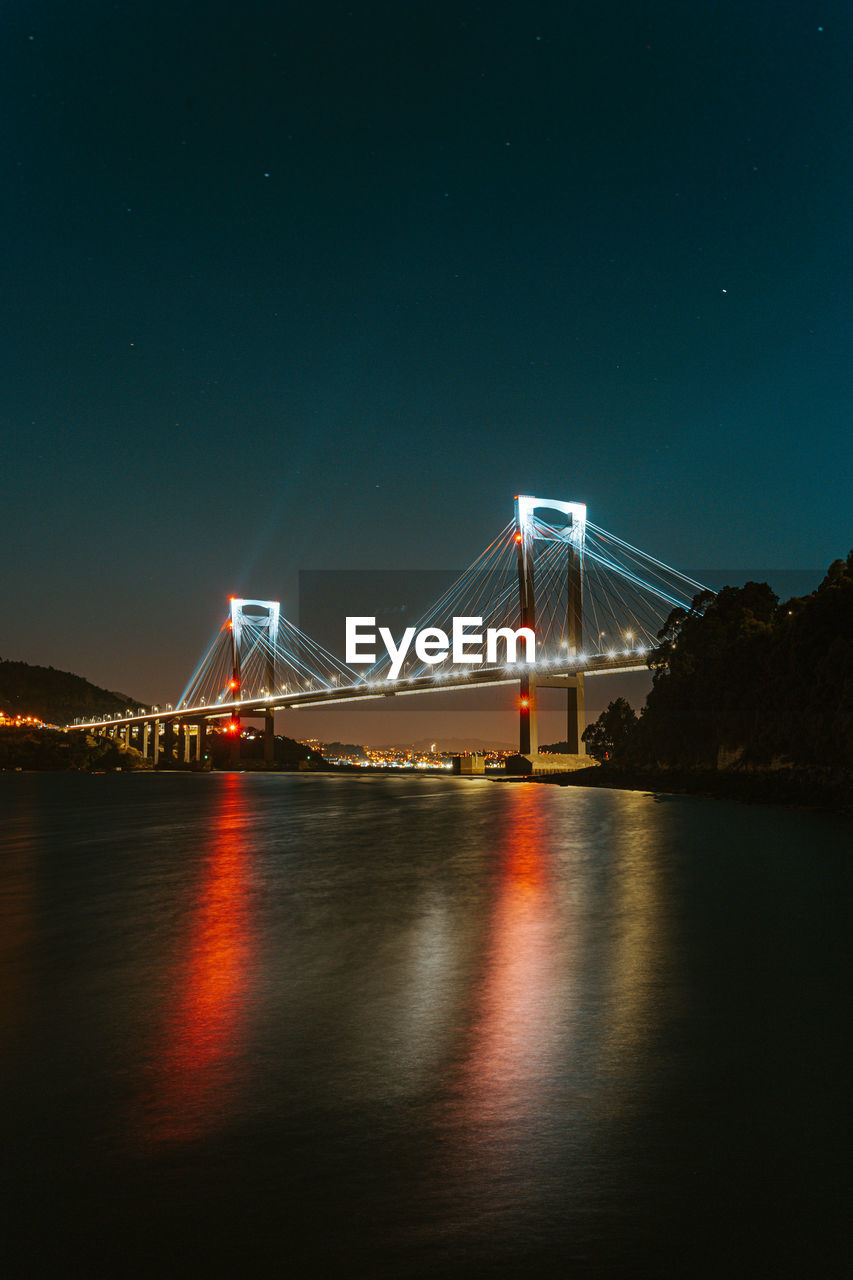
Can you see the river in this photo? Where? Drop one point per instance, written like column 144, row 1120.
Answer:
column 345, row 1025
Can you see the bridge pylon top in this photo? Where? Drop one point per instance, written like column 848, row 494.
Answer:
column 265, row 616
column 574, row 532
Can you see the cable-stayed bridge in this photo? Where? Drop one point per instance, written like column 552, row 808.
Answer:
column 594, row 604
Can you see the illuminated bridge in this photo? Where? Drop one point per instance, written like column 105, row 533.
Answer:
column 594, row 603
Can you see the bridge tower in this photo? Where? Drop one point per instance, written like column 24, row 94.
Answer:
column 572, row 535
column 257, row 619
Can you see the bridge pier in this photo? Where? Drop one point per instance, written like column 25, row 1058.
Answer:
column 528, row 719
column 575, row 709
column 525, row 551
column 528, row 732
column 576, row 718
column 269, row 737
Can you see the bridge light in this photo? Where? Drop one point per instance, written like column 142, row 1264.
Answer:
column 518, row 537
column 524, row 704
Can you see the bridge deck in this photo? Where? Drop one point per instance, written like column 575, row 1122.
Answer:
column 438, row 683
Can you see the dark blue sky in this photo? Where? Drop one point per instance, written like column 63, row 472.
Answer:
column 324, row 285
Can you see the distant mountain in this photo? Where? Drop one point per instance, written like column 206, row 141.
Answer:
column 335, row 750
column 452, row 744
column 55, row 696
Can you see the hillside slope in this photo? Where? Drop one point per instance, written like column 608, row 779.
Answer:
column 54, row 696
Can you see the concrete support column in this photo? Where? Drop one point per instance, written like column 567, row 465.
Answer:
column 269, row 718
column 575, row 712
column 187, row 743
column 575, row 718
column 528, row 738
column 528, row 720
column 127, row 735
column 169, row 740
column 146, row 735
column 155, row 749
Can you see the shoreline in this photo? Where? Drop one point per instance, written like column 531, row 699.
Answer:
column 810, row 788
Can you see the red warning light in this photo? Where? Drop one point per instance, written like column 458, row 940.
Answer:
column 518, row 537
column 525, row 703
column 235, row 684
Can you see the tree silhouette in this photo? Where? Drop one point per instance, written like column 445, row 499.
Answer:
column 610, row 735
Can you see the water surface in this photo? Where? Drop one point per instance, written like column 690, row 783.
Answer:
column 343, row 1025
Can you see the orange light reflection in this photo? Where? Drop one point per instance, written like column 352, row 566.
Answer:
column 199, row 1062
column 514, row 1027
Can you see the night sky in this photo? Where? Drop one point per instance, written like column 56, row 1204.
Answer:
column 314, row 286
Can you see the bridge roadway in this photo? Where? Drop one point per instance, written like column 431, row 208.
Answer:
column 553, row 674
